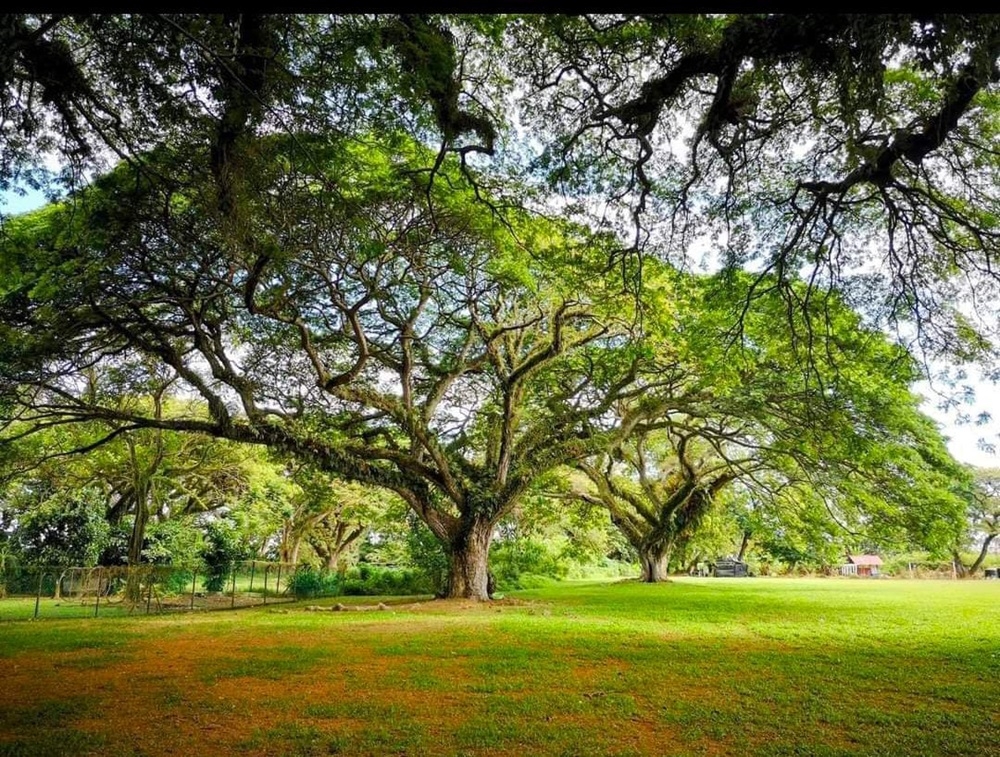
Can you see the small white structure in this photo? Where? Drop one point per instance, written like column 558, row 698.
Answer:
column 861, row 565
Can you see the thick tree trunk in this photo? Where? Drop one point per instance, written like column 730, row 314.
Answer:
column 289, row 545
column 335, row 556
column 468, row 575
column 958, row 566
column 138, row 534
column 142, row 492
column 654, row 564
column 655, row 550
column 133, row 586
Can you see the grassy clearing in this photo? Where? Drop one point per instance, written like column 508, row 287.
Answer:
column 695, row 667
column 49, row 608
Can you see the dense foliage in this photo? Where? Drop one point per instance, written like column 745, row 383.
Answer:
column 438, row 259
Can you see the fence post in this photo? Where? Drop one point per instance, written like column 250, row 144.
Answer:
column 277, row 584
column 253, row 569
column 267, row 569
column 38, row 596
column 149, row 590
column 232, row 602
column 194, row 578
column 97, row 604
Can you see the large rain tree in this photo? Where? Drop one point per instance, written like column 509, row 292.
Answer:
column 855, row 151
column 843, row 429
column 855, row 147
column 393, row 336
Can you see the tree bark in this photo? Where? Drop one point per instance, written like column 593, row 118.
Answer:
column 57, row 594
column 743, row 546
column 133, row 585
column 958, row 566
column 138, row 535
column 982, row 554
column 654, row 564
column 468, row 575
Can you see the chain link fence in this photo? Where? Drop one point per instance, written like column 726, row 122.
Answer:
column 72, row 591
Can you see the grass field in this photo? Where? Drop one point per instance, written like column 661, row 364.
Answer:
column 693, row 667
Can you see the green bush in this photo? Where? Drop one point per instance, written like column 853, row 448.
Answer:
column 309, row 582
column 372, row 580
column 176, row 581
column 534, row 581
column 362, row 580
column 426, row 554
column 607, row 568
column 23, row 580
column 511, row 562
column 222, row 550
column 67, row 528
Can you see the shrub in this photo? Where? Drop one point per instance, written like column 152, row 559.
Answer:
column 362, row 580
column 426, row 554
column 607, row 568
column 512, row 561
column 310, row 582
column 372, row 580
column 176, row 581
column 68, row 528
column 223, row 549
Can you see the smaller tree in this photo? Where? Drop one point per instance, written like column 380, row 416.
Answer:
column 329, row 515
column 63, row 529
column 657, row 489
column 223, row 549
column 719, row 533
column 795, row 530
column 827, row 420
column 984, row 517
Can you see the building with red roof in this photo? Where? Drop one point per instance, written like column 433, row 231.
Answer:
column 861, row 565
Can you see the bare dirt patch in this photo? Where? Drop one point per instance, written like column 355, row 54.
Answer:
column 161, row 697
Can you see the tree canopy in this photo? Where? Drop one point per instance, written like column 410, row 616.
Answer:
column 445, row 255
column 781, row 429
column 853, row 150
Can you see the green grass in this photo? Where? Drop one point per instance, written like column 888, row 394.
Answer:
column 23, row 608
column 694, row 667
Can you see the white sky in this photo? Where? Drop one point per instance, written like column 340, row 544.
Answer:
column 964, row 438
